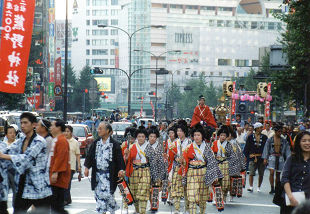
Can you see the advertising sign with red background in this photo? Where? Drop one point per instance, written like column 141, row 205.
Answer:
column 37, row 100
column 267, row 105
column 17, row 23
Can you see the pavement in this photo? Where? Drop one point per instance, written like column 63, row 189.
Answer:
column 83, row 201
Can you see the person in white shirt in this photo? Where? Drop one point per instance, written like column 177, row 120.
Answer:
column 267, row 131
column 75, row 162
column 240, row 137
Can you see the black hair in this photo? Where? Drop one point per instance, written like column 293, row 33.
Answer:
column 238, row 115
column 108, row 127
column 6, row 129
column 131, row 131
column 46, row 124
column 153, row 130
column 142, row 122
column 223, row 129
column 134, row 125
column 60, row 123
column 198, row 128
column 174, row 130
column 232, row 131
column 182, row 124
column 29, row 116
column 297, row 155
column 141, row 131
column 70, row 128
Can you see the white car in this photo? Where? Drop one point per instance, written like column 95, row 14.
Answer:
column 119, row 130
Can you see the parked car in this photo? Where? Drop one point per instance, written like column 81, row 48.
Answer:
column 119, row 130
column 84, row 136
column 146, row 120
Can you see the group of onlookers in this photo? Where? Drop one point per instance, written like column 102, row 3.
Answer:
column 38, row 166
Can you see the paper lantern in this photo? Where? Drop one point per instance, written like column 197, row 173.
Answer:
column 261, row 99
column 235, row 96
column 246, row 97
column 251, row 98
column 269, row 98
column 256, row 97
column 242, row 98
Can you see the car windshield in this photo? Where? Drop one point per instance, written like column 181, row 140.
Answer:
column 79, row 131
column 120, row 126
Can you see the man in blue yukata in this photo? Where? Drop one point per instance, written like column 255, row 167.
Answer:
column 28, row 156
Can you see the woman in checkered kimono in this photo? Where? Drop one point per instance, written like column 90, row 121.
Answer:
column 139, row 167
column 4, row 186
column 226, row 158
column 201, row 169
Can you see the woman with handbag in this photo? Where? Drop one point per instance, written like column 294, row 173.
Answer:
column 296, row 173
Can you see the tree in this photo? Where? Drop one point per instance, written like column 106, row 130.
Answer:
column 188, row 101
column 296, row 43
column 79, row 87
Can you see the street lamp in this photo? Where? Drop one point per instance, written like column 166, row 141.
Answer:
column 65, row 94
column 130, row 36
column 159, row 72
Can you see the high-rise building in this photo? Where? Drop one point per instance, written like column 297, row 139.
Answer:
column 217, row 39
column 98, row 47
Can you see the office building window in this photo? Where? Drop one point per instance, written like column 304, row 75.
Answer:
column 211, row 23
column 225, row 9
column 114, row 2
column 195, row 73
column 112, row 42
column 203, row 73
column 253, row 25
column 279, row 26
column 112, row 62
column 220, row 73
column 186, row 72
column 114, row 22
column 87, row 51
column 100, row 61
column 114, row 12
column 224, row 62
column 99, row 42
column 112, row 52
column 255, row 63
column 114, row 32
column 87, row 61
column 88, row 3
column 100, row 22
column 87, row 12
column 241, row 62
column 191, row 7
column 228, row 23
column 87, row 42
column 176, row 6
column 99, row 12
column 207, row 8
column 100, row 2
column 100, row 52
column 100, row 32
column 220, row 23
column 211, row 73
column 271, row 25
column 87, row 32
column 87, row 22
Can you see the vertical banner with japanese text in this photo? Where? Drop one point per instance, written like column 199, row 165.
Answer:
column 267, row 104
column 57, row 70
column 233, row 101
column 17, row 24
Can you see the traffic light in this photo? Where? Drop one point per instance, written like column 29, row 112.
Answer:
column 96, row 70
column 105, row 97
column 152, row 93
column 86, row 90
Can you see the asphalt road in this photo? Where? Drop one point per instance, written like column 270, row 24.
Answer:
column 250, row 203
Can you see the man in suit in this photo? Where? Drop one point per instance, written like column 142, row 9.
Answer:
column 107, row 163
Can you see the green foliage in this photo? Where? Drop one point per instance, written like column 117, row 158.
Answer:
column 296, row 43
column 187, row 101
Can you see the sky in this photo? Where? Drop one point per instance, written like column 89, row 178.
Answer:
column 60, row 9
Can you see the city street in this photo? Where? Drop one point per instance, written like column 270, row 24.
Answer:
column 250, row 203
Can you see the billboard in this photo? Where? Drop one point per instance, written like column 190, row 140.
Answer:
column 106, row 84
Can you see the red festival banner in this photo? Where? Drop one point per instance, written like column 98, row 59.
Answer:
column 267, row 105
column 58, row 72
column 233, row 102
column 17, row 23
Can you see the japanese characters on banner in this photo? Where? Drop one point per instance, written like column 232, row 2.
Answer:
column 37, row 99
column 233, row 102
column 17, row 24
column 57, row 71
column 51, row 51
column 267, row 104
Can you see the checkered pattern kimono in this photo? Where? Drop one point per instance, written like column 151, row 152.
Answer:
column 4, row 186
column 32, row 163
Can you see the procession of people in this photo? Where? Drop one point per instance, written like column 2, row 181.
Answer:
column 198, row 162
